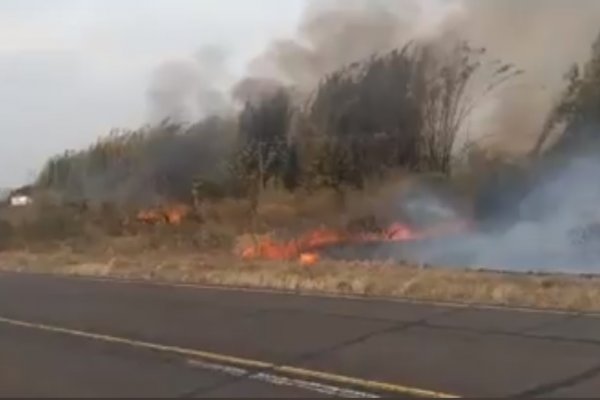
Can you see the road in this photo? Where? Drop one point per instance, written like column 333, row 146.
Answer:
column 83, row 337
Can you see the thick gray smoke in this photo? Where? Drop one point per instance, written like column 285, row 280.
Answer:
column 190, row 89
column 556, row 227
column 542, row 37
column 252, row 90
column 335, row 33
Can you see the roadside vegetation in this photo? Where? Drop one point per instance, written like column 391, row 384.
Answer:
column 282, row 165
column 124, row 258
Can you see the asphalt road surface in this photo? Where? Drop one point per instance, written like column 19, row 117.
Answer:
column 83, row 337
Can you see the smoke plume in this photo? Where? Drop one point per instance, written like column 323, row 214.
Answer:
column 189, row 89
column 541, row 37
column 554, row 228
column 332, row 34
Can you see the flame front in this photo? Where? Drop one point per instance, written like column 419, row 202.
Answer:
column 269, row 249
column 305, row 248
column 308, row 259
column 173, row 214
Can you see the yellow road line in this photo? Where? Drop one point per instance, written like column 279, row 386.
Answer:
column 237, row 361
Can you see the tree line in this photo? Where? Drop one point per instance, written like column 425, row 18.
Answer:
column 398, row 110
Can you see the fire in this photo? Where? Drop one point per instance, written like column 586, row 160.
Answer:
column 308, row 259
column 320, row 238
column 269, row 249
column 399, row 232
column 177, row 213
column 305, row 248
column 149, row 216
column 173, row 214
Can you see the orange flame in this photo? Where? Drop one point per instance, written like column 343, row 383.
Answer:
column 305, row 247
column 171, row 214
column 177, row 213
column 307, row 259
column 269, row 249
column 398, row 232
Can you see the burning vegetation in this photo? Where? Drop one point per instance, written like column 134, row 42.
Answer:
column 401, row 109
column 173, row 214
column 306, row 248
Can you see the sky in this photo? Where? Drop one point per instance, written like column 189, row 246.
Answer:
column 71, row 70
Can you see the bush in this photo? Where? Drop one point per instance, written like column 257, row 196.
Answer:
column 144, row 166
column 7, row 233
column 52, row 223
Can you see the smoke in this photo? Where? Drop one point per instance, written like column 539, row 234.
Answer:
column 542, row 37
column 554, row 226
column 253, row 90
column 332, row 34
column 546, row 223
column 189, row 89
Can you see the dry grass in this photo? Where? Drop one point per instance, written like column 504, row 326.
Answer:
column 123, row 259
column 203, row 254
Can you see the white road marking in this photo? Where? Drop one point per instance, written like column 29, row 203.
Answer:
column 300, row 374
column 279, row 380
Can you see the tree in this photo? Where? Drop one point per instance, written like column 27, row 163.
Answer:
column 578, row 109
column 291, row 174
column 262, row 146
column 370, row 110
column 399, row 110
column 451, row 83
